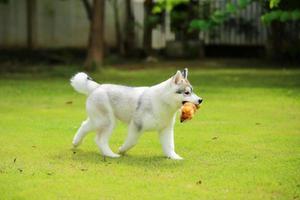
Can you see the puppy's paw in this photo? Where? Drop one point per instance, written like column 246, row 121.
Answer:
column 122, row 150
column 76, row 142
column 112, row 155
column 75, row 145
column 175, row 156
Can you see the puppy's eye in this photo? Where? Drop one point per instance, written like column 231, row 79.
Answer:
column 187, row 93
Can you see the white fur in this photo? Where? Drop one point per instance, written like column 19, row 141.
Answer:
column 82, row 84
column 142, row 108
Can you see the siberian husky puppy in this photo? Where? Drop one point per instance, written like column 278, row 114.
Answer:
column 142, row 108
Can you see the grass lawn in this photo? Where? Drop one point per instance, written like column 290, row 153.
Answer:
column 244, row 143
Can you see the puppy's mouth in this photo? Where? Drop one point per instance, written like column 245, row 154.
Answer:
column 197, row 105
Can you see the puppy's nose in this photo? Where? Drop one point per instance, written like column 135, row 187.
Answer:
column 200, row 101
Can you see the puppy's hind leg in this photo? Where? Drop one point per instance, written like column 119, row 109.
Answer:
column 103, row 136
column 85, row 127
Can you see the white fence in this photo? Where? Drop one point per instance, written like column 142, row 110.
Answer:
column 64, row 24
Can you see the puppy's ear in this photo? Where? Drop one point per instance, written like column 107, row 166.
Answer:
column 177, row 77
column 184, row 73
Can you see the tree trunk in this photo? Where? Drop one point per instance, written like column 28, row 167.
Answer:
column 119, row 38
column 129, row 43
column 88, row 9
column 95, row 52
column 147, row 39
column 31, row 24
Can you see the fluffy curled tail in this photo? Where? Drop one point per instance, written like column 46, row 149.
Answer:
column 83, row 84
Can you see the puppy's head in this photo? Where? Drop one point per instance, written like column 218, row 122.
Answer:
column 183, row 90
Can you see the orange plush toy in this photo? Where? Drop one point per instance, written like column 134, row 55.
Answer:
column 187, row 111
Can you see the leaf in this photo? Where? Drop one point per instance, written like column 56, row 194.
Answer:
column 285, row 16
column 295, row 15
column 219, row 17
column 230, row 7
column 200, row 24
column 243, row 3
column 156, row 9
column 279, row 15
column 274, row 3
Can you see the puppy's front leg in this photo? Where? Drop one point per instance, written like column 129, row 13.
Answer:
column 166, row 137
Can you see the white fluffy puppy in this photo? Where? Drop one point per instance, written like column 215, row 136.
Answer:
column 142, row 108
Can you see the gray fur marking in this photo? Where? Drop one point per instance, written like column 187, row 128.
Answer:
column 184, row 73
column 138, row 125
column 139, row 103
column 144, row 104
column 180, row 91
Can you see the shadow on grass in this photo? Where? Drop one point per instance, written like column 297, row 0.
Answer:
column 146, row 161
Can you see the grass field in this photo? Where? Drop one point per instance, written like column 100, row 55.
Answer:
column 244, row 143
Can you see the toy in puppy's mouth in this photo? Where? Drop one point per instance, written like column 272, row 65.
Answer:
column 188, row 110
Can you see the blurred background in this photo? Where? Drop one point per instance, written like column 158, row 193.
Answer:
column 94, row 33
column 243, row 60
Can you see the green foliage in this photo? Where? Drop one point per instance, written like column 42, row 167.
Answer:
column 277, row 13
column 152, row 20
column 157, row 9
column 281, row 15
column 219, row 16
column 230, row 7
column 274, row 3
column 203, row 25
column 243, row 3
column 243, row 143
column 166, row 5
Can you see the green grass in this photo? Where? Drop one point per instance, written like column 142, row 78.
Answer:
column 244, row 143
